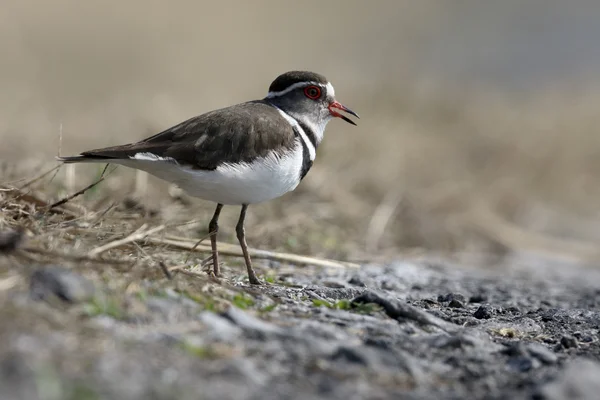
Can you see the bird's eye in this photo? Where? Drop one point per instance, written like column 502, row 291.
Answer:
column 312, row 92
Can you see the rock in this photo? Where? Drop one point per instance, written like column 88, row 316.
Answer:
column 478, row 298
column 513, row 310
column 401, row 311
column 455, row 304
column 514, row 349
column 568, row 342
column 522, row 363
column 60, row 282
column 458, row 341
column 357, row 281
column 221, row 328
column 248, row 322
column 541, row 353
column 10, row 239
column 376, row 359
column 483, row 312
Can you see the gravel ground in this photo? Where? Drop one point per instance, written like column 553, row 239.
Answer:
column 415, row 330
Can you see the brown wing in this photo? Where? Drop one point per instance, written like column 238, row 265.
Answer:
column 239, row 133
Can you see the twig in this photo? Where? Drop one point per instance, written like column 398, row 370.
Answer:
column 232, row 250
column 134, row 237
column 196, row 245
column 165, row 270
column 184, row 270
column 80, row 192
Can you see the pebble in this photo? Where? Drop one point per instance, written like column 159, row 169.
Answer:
column 455, row 304
column 478, row 298
column 542, row 353
column 568, row 342
column 483, row 312
column 10, row 239
column 221, row 328
column 357, row 281
column 522, row 363
column 249, row 322
column 60, row 282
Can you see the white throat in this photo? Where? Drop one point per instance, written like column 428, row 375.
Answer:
column 316, row 126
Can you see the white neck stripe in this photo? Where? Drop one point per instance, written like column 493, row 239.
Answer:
column 311, row 148
column 296, row 86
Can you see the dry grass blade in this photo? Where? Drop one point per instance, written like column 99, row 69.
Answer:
column 139, row 234
column 186, row 271
column 9, row 283
column 42, row 176
column 198, row 243
column 233, row 250
column 381, row 218
column 82, row 191
column 165, row 270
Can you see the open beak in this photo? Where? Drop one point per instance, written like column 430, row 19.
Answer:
column 339, row 106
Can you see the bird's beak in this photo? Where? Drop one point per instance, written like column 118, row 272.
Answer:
column 340, row 106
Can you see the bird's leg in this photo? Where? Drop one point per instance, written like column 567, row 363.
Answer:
column 241, row 235
column 213, row 228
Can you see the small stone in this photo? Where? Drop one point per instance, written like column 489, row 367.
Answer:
column 513, row 310
column 60, row 282
column 378, row 342
column 248, row 322
column 453, row 342
column 548, row 315
column 478, row 298
column 586, row 339
column 542, row 353
column 568, row 342
column 221, row 328
column 483, row 312
column 522, row 363
column 455, row 304
column 451, row 296
column 10, row 239
column 514, row 349
column 357, row 281
column 353, row 355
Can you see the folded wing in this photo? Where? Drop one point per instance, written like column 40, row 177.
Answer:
column 240, row 133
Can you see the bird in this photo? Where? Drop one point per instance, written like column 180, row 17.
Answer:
column 240, row 155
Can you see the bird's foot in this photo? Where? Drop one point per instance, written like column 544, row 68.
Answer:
column 254, row 279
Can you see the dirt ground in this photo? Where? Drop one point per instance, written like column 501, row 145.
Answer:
column 105, row 301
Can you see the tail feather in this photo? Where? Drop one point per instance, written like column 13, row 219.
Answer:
column 83, row 158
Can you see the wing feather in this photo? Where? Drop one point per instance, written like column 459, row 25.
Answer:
column 239, row 133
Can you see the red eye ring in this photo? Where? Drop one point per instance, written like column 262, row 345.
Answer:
column 312, row 92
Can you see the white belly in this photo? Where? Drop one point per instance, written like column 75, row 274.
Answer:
column 264, row 179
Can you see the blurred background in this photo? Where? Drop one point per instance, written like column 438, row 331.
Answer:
column 479, row 120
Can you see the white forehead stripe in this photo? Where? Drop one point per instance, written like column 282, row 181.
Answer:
column 295, row 86
column 312, row 152
column 330, row 90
